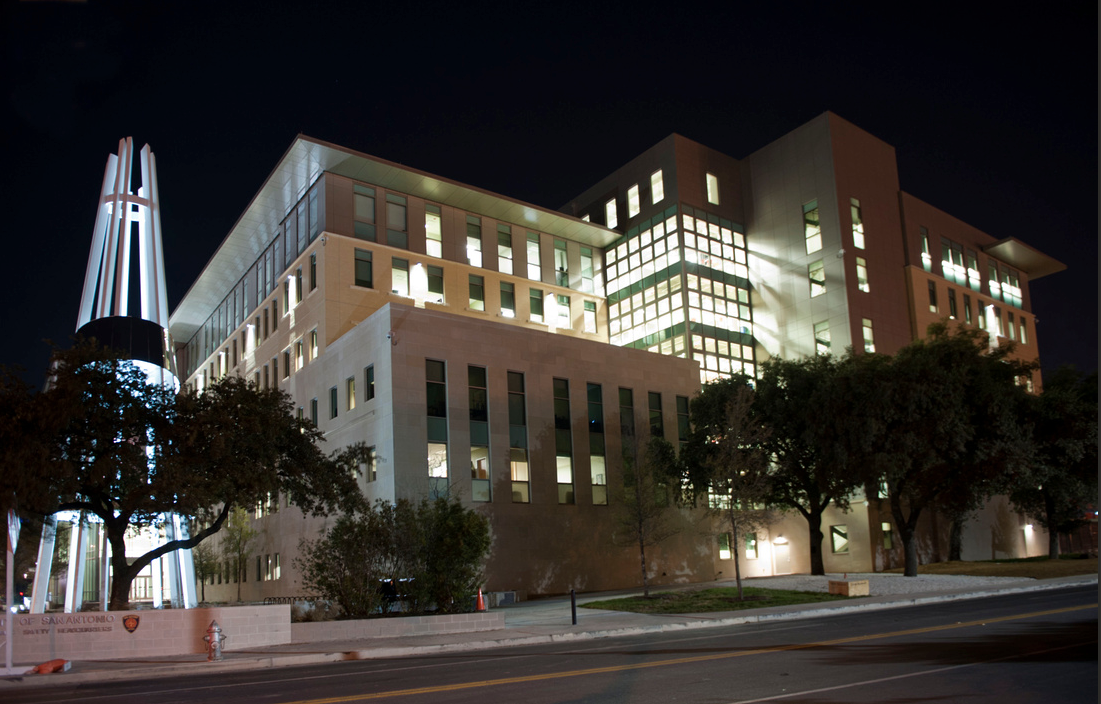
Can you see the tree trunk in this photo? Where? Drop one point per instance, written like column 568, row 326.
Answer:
column 122, row 573
column 1052, row 532
column 906, row 530
column 814, row 524
column 642, row 559
column 737, row 561
column 241, row 567
column 955, row 539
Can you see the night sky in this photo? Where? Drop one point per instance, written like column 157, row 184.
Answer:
column 993, row 116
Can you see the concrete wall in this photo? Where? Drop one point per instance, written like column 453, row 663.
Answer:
column 97, row 635
column 396, row 627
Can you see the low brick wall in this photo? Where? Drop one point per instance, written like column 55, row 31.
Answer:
column 396, row 626
column 98, row 635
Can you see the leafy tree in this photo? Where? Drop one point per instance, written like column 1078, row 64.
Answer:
column 237, row 537
column 937, row 423
column 128, row 451
column 205, row 559
column 454, row 545
column 1061, row 479
column 642, row 505
column 808, row 415
column 727, row 463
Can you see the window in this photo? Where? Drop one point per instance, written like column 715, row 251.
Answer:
column 812, row 230
column 535, row 299
column 333, row 402
column 479, row 433
column 586, row 270
column 313, row 344
column 858, row 223
column 508, row 300
column 822, row 337
column 299, row 356
column 869, row 338
column 433, row 231
column 951, row 262
column 657, row 423
column 363, row 273
column 313, row 271
column 683, row 424
column 474, row 240
column 995, row 286
column 597, row 465
column 563, row 441
column 477, row 293
column 926, row 255
column 839, row 539
column 298, row 285
column 633, row 207
column 435, row 283
column 399, row 277
column 313, row 411
column 589, row 321
column 370, row 472
column 504, row 249
column 565, row 320
column 724, row 546
column 1024, row 331
column 888, row 535
column 816, row 271
column 610, row 216
column 561, row 264
column 933, row 308
column 518, row 439
column 751, row 546
column 627, row 419
column 1011, row 327
column 712, row 189
column 397, row 229
column 436, row 410
column 952, row 303
column 287, row 295
column 364, row 212
column 286, row 362
column 657, row 188
column 974, row 278
column 967, row 309
column 369, row 382
column 350, row 384
column 534, row 263
column 862, row 275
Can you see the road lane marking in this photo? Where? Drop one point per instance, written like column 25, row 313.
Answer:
column 679, row 661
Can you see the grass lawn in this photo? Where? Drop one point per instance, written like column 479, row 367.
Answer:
column 1029, row 568
column 693, row 601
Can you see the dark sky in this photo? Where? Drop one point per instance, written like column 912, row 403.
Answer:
column 993, row 115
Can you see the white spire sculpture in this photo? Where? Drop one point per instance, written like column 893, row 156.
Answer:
column 122, row 216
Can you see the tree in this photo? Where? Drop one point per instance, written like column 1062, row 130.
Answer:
column 205, row 559
column 938, row 425
column 237, row 537
column 727, row 463
column 642, row 504
column 807, row 414
column 129, row 451
column 1060, row 482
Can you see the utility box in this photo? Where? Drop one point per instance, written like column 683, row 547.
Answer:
column 853, row 587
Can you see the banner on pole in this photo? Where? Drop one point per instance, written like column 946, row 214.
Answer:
column 13, row 530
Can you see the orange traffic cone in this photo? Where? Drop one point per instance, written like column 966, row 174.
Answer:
column 481, row 604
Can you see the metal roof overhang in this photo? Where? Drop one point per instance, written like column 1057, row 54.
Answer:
column 304, row 161
column 1032, row 262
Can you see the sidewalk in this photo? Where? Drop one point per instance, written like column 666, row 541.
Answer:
column 547, row 621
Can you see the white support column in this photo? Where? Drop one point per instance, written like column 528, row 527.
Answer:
column 104, row 570
column 78, row 545
column 157, row 583
column 44, row 565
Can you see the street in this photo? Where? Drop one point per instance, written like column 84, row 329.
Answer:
column 1033, row 647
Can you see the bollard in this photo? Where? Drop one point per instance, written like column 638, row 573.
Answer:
column 573, row 606
column 214, row 639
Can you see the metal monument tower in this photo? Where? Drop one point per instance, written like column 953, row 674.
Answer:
column 125, row 219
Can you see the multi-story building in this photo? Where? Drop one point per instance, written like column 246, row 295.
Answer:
column 507, row 354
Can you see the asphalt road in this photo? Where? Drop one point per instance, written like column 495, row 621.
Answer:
column 1034, row 647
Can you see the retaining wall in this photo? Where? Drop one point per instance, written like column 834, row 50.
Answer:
column 397, row 626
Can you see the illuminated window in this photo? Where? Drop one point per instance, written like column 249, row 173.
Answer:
column 477, row 293
column 926, row 255
column 589, row 321
column 839, row 539
column 504, row 249
column 858, row 223
column 561, row 264
column 974, row 278
column 587, row 269
column 435, row 283
column 822, row 337
column 400, row 277
column 370, row 472
column 1024, row 332
column 995, row 286
column 397, row 229
column 534, row 263
column 535, row 299
column 479, row 433
column 364, row 275
column 812, row 230
column 751, row 546
column 313, row 344
column 364, row 212
column 299, row 355
column 952, row 304
column 436, row 410
column 474, row 240
column 610, row 216
column 563, row 441
column 869, row 338
column 597, row 465
column 508, row 300
column 712, row 189
column 350, row 384
column 724, row 546
column 518, row 439
column 369, row 382
column 657, row 188
column 633, row 207
column 433, row 231
column 933, row 308
column 862, row 275
column 1011, row 327
column 817, row 273
column 967, row 309
column 565, row 320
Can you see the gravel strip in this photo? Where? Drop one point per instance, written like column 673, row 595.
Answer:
column 881, row 584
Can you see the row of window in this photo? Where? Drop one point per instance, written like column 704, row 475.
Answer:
column 839, row 542
column 1003, row 282
column 267, row 569
column 822, row 342
column 988, row 316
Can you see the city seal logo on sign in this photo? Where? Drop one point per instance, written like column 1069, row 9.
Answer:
column 130, row 623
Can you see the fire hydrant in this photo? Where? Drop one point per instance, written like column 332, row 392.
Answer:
column 214, row 639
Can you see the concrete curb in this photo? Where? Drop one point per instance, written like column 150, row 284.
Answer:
column 699, row 621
